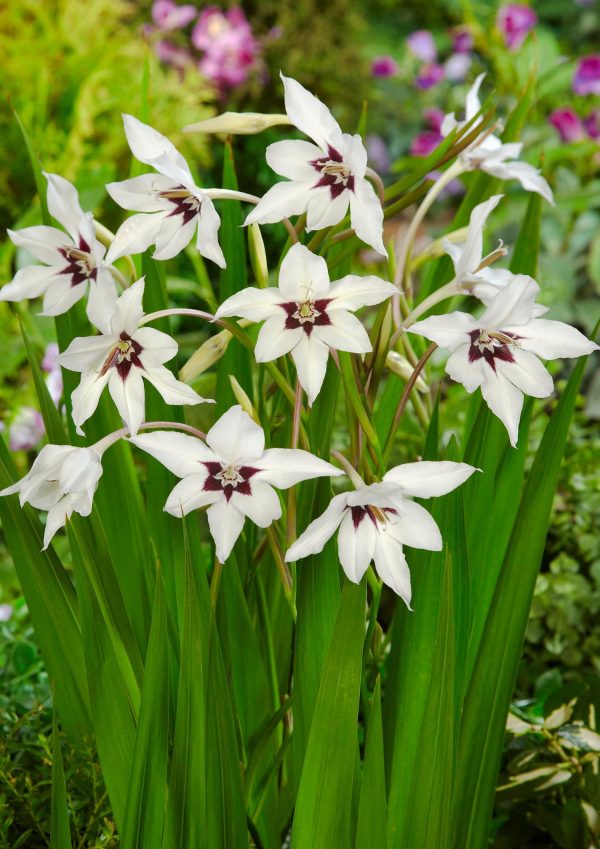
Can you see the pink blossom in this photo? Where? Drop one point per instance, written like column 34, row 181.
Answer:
column 384, row 66
column 456, row 67
column 434, row 118
column 168, row 15
column 6, row 611
column 424, row 143
column 568, row 124
column 26, row 430
column 50, row 361
column 514, row 22
column 422, row 45
column 51, row 366
column 230, row 49
column 587, row 75
column 172, row 54
column 429, row 76
column 592, row 124
column 462, row 40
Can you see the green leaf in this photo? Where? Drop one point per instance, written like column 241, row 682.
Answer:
column 146, row 799
column 52, row 603
column 323, row 808
column 491, row 686
column 40, row 182
column 60, row 832
column 55, row 430
column 371, row 827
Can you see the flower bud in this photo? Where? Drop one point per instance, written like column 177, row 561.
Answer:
column 258, row 255
column 242, row 398
column 399, row 365
column 238, row 123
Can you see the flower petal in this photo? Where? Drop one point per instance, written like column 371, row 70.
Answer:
column 310, row 358
column 182, row 454
column 392, row 567
column 313, row 539
column 152, row 148
column 102, row 300
column 472, row 248
column 412, row 525
column 323, row 210
column 57, row 518
column 274, row 340
column 448, row 331
column 158, row 347
column 29, row 282
column 352, row 292
column 129, row 397
column 141, row 194
column 208, row 228
column 428, row 478
column 552, row 339
column 135, row 235
column 235, row 438
column 128, row 309
column 462, row 370
column 528, row 176
column 63, row 204
column 505, row 401
column 308, row 113
column 43, row 242
column 173, row 391
column 284, row 467
column 252, row 303
column 291, row 159
column 513, row 305
column 356, row 546
column 527, row 374
column 303, row 275
column 281, row 201
column 366, row 215
column 85, row 398
column 225, row 523
column 262, row 507
column 345, row 333
column 86, row 353
column 60, row 297
column 173, row 236
column 189, row 494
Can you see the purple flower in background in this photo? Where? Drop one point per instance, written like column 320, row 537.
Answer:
column 457, row 66
column 568, row 124
column 377, row 153
column 230, row 49
column 429, row 76
column 168, row 15
column 50, row 361
column 514, row 22
column 592, row 124
column 462, row 40
column 422, row 45
column 434, row 118
column 384, row 66
column 26, row 430
column 53, row 371
column 587, row 75
column 172, row 54
column 6, row 611
column 424, row 143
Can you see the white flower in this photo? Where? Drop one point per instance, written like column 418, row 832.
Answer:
column 499, row 351
column 492, row 156
column 73, row 263
column 171, row 206
column 62, row 480
column 325, row 177
column 232, row 474
column 121, row 356
column 467, row 257
column 307, row 314
column 376, row 521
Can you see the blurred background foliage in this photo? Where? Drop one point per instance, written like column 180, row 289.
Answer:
column 69, row 71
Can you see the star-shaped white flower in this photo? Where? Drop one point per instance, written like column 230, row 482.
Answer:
column 171, row 207
column 376, row 521
column 499, row 350
column 232, row 474
column 74, row 261
column 121, row 357
column 492, row 156
column 324, row 178
column 467, row 257
column 62, row 480
column 306, row 314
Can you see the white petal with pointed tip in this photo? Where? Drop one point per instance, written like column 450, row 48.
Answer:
column 356, row 546
column 148, row 146
column 158, row 347
column 284, row 467
column 505, row 401
column 129, row 310
column 29, row 282
column 303, row 271
column 274, row 340
column 527, row 374
column 314, row 538
column 135, row 235
column 281, row 201
column 61, row 296
column 86, row 352
column 462, row 370
column 43, row 242
column 345, row 333
column 189, row 495
column 292, row 159
column 141, row 194
column 63, row 204
column 225, row 523
column 392, row 567
column 352, row 292
column 366, row 215
column 310, row 358
column 235, row 438
column 86, row 396
column 173, row 391
column 427, row 478
column 262, row 507
column 252, row 303
column 323, row 210
column 553, row 339
column 173, row 236
column 308, row 113
column 128, row 396
column 181, row 453
column 413, row 526
column 513, row 305
column 447, row 331
column 208, row 228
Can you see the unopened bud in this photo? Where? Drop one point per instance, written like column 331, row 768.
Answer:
column 242, row 398
column 206, row 356
column 238, row 123
column 258, row 255
column 399, row 365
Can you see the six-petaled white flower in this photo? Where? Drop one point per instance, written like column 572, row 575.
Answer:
column 121, row 357
column 489, row 154
column 232, row 474
column 324, row 178
column 306, row 314
column 499, row 350
column 62, row 480
column 74, row 262
column 171, row 207
column 376, row 521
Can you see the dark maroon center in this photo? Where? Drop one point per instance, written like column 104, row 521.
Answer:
column 359, row 513
column 241, row 485
column 294, row 318
column 80, row 265
column 334, row 173
column 491, row 346
column 184, row 203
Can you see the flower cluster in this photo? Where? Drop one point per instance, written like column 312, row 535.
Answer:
column 233, row 471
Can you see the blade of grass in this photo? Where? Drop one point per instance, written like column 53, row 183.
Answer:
column 60, row 831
